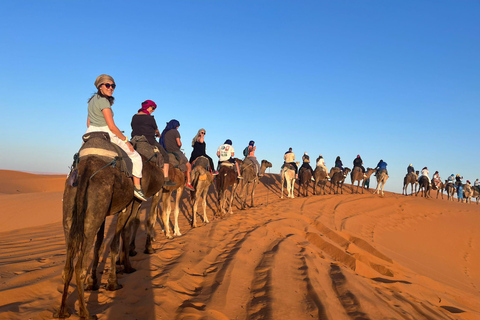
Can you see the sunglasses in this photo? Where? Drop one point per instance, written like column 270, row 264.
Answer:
column 202, row 132
column 108, row 85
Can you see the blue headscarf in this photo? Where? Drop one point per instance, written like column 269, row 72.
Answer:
column 172, row 124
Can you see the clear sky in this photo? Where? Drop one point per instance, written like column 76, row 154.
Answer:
column 391, row 80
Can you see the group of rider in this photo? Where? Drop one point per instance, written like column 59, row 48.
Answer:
column 289, row 160
column 100, row 118
column 456, row 181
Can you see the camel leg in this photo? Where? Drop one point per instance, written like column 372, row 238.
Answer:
column 114, row 248
column 204, row 205
column 292, row 187
column 253, row 191
column 283, row 181
column 244, row 194
column 177, row 232
column 135, row 224
column 194, row 211
column 151, row 220
column 93, row 281
column 232, row 196
column 67, row 277
column 166, row 214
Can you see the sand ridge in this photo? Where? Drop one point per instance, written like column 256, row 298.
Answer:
column 324, row 257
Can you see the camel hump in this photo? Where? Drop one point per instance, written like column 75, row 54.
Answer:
column 98, row 144
column 201, row 162
column 149, row 152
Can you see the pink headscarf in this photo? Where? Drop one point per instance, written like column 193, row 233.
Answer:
column 146, row 104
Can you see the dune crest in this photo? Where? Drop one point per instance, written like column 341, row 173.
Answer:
column 323, row 257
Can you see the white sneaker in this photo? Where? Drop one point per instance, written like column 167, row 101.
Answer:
column 138, row 193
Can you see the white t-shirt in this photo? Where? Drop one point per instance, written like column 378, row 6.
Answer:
column 225, row 151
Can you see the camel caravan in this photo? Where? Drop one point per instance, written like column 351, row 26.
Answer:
column 453, row 185
column 114, row 175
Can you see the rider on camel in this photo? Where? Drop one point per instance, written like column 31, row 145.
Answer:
column 425, row 174
column 225, row 153
column 251, row 156
column 358, row 162
column 306, row 163
column 289, row 158
column 436, row 179
column 410, row 169
column 338, row 163
column 321, row 163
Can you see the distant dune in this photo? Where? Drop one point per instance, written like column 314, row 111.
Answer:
column 320, row 257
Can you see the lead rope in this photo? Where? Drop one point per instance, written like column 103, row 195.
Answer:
column 112, row 163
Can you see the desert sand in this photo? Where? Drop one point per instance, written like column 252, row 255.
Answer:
column 350, row 256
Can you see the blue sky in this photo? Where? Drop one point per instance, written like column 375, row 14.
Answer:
column 391, row 80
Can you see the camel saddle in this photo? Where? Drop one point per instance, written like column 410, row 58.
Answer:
column 98, row 144
column 201, row 162
column 226, row 164
column 174, row 160
column 151, row 153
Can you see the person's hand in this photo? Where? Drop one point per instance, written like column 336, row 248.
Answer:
column 130, row 147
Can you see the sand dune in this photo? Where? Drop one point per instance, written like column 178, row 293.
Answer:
column 322, row 257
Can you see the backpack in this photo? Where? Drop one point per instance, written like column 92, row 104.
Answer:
column 245, row 151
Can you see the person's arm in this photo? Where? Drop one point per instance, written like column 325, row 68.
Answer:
column 88, row 122
column 157, row 133
column 107, row 113
column 179, row 143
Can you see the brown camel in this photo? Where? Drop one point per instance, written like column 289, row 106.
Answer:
column 338, row 179
column 226, row 178
column 476, row 195
column 304, row 179
column 102, row 190
column 450, row 188
column 201, row 181
column 357, row 175
column 178, row 177
column 410, row 179
column 321, row 178
column 288, row 174
column 250, row 177
column 423, row 186
column 152, row 183
column 382, row 178
column 439, row 188
column 467, row 193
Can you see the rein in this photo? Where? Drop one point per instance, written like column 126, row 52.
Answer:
column 111, row 163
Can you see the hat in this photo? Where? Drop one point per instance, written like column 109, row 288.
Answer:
column 410, row 165
column 358, row 156
column 458, row 175
column 306, row 154
column 251, row 143
column 101, row 79
column 228, row 141
column 148, row 103
column 425, row 168
column 468, row 181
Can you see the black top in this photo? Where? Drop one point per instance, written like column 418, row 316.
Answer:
column 144, row 124
column 357, row 162
column 199, row 149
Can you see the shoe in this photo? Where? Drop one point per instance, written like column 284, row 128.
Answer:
column 169, row 183
column 138, row 193
column 189, row 187
column 313, row 179
column 215, row 173
column 240, row 177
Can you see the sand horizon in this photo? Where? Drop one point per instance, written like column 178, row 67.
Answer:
column 350, row 256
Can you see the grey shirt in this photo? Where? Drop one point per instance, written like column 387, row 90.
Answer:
column 95, row 107
column 171, row 144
